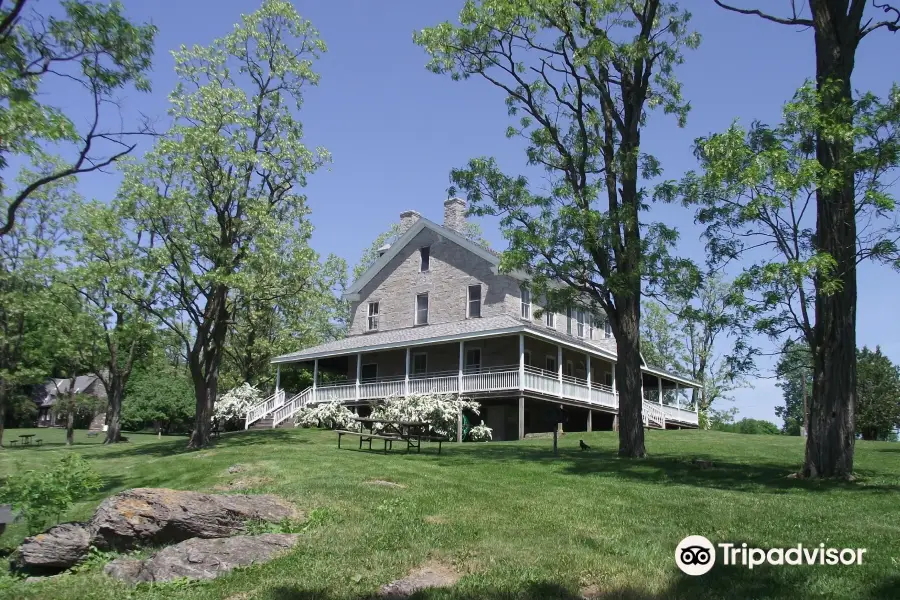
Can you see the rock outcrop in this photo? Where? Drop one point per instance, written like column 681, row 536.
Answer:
column 201, row 558
column 56, row 549
column 143, row 516
column 147, row 516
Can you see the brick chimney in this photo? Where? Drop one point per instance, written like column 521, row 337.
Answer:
column 408, row 218
column 455, row 214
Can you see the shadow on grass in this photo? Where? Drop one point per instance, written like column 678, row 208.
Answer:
column 722, row 582
column 234, row 439
column 664, row 469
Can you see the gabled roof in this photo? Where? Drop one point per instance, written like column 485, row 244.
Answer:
column 490, row 256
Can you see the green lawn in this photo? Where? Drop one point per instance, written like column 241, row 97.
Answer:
column 519, row 522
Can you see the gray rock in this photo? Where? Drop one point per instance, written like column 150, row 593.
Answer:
column 144, row 516
column 202, row 558
column 56, row 549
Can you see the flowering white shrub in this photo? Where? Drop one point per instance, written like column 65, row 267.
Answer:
column 330, row 415
column 480, row 433
column 232, row 407
column 440, row 410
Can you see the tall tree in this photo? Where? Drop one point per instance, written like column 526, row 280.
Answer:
column 583, row 76
column 795, row 374
column 757, row 196
column 28, row 260
column 218, row 194
column 91, row 51
column 102, row 270
column 703, row 336
column 838, row 28
column 877, row 395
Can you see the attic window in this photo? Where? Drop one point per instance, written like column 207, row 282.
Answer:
column 422, row 309
column 372, row 322
column 425, row 255
column 526, row 303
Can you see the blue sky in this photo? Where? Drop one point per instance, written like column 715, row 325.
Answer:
column 395, row 130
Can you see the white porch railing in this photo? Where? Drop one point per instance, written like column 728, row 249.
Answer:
column 502, row 379
column 291, row 407
column 653, row 413
column 255, row 413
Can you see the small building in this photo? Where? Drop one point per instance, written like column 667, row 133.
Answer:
column 435, row 314
column 50, row 392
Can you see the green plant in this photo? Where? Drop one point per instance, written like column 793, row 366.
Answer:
column 39, row 496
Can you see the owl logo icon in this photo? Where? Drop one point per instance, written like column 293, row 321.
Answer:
column 695, row 555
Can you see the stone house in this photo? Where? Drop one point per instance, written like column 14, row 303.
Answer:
column 49, row 393
column 434, row 314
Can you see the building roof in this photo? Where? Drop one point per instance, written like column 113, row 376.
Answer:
column 54, row 387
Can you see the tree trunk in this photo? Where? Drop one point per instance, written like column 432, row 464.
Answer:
column 114, row 413
column 205, row 395
column 70, row 422
column 2, row 411
column 628, row 378
column 831, row 440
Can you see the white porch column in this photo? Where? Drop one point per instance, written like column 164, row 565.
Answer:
column 277, row 379
column 659, row 385
column 315, row 378
column 358, row 372
column 406, row 379
column 559, row 368
column 677, row 397
column 462, row 358
column 589, row 375
column 521, row 361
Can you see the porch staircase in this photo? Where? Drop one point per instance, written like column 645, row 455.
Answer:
column 276, row 410
column 653, row 415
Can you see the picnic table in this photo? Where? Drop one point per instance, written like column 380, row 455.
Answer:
column 411, row 432
column 26, row 438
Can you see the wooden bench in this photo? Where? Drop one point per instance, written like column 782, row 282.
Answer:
column 368, row 437
column 38, row 442
column 93, row 433
column 13, row 443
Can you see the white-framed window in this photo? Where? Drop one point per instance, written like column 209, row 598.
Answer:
column 607, row 329
column 422, row 309
column 526, row 302
column 372, row 319
column 607, row 377
column 550, row 363
column 425, row 258
column 473, row 360
column 569, row 320
column 473, row 303
column 550, row 319
column 579, row 314
column 419, row 363
column 570, row 368
column 528, row 358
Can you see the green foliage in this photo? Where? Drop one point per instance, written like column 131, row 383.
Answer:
column 703, row 336
column 219, row 194
column 565, row 68
column 794, row 365
column 158, row 395
column 756, row 197
column 39, row 496
column 877, row 395
column 750, row 426
column 91, row 45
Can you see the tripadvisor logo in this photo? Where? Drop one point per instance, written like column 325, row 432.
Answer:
column 696, row 555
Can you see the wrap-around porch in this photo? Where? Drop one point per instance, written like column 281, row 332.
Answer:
column 503, row 368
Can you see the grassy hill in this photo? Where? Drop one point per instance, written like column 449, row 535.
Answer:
column 517, row 521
